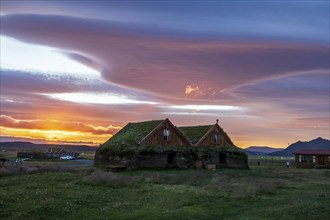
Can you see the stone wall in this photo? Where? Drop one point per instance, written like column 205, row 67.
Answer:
column 168, row 160
column 183, row 160
column 157, row 160
column 100, row 159
column 236, row 163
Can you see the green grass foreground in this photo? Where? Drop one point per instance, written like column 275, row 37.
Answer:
column 269, row 192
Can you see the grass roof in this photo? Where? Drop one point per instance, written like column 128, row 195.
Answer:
column 195, row 133
column 132, row 133
column 128, row 138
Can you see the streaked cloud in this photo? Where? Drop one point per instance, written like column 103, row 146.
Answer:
column 21, row 56
column 305, row 21
column 207, row 107
column 132, row 58
column 97, row 98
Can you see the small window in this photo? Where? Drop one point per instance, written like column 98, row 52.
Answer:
column 300, row 158
column 166, row 134
column 314, row 159
column 216, row 138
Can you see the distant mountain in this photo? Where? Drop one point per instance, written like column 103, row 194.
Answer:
column 261, row 150
column 316, row 144
column 250, row 153
column 27, row 146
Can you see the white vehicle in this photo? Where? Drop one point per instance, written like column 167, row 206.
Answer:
column 67, row 157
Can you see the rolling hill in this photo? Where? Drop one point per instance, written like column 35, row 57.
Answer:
column 28, row 146
column 261, row 150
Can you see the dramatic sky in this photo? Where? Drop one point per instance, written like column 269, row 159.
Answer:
column 78, row 71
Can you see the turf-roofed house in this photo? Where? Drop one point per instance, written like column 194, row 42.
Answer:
column 160, row 144
column 214, row 147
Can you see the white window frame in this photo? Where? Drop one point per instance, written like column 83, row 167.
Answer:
column 166, row 134
column 216, row 138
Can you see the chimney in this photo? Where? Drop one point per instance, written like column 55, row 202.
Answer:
column 217, row 121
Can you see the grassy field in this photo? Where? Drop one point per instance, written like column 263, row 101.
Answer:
column 269, row 191
column 8, row 154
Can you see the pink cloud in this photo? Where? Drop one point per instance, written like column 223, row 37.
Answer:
column 133, row 59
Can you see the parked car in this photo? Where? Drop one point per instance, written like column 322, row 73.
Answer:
column 67, row 157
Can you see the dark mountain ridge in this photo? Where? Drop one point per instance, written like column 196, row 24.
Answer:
column 316, row 144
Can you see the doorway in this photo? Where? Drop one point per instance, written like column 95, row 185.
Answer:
column 171, row 159
column 222, row 157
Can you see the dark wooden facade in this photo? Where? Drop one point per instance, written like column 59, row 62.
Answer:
column 165, row 134
column 223, row 159
column 312, row 159
column 215, row 137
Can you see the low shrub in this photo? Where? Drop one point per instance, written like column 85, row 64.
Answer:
column 4, row 171
column 86, row 171
column 31, row 170
column 195, row 178
column 12, row 170
column 112, row 179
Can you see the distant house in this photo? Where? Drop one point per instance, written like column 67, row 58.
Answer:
column 310, row 158
column 53, row 152
column 156, row 144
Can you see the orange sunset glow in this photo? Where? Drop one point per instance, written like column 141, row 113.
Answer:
column 77, row 74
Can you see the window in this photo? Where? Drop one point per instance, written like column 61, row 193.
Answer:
column 306, row 158
column 166, row 134
column 314, row 159
column 216, row 138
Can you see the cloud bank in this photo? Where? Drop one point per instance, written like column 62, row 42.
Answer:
column 263, row 70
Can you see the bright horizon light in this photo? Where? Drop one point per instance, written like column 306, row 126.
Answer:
column 77, row 137
column 97, row 98
column 17, row 55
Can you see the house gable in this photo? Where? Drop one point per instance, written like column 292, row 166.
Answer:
column 215, row 137
column 165, row 134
